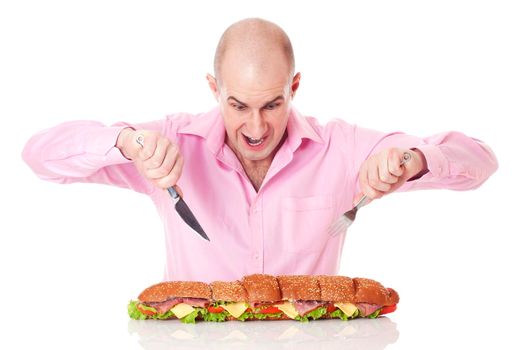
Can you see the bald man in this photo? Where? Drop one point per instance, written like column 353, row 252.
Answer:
column 264, row 181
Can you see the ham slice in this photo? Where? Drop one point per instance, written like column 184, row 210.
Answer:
column 258, row 304
column 164, row 306
column 196, row 302
column 305, row 306
column 367, row 309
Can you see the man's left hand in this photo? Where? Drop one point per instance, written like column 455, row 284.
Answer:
column 383, row 173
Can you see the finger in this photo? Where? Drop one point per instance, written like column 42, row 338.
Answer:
column 394, row 162
column 159, row 155
column 384, row 173
column 166, row 166
column 369, row 191
column 178, row 190
column 174, row 175
column 374, row 180
column 362, row 178
column 149, row 146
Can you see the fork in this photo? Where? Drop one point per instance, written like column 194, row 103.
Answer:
column 346, row 219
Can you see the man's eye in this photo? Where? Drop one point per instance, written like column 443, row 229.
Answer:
column 238, row 107
column 272, row 106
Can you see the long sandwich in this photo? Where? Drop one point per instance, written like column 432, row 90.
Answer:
column 265, row 297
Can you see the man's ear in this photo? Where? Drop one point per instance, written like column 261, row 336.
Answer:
column 212, row 82
column 295, row 84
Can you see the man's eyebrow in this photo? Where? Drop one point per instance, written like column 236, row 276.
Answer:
column 278, row 98
column 233, row 98
column 275, row 100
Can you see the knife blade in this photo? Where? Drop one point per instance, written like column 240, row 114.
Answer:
column 186, row 214
column 180, row 205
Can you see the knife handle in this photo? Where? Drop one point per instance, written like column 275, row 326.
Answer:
column 173, row 193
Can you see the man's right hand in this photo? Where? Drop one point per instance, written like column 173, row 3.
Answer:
column 159, row 160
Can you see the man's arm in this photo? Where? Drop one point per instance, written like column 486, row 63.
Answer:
column 85, row 151
column 449, row 160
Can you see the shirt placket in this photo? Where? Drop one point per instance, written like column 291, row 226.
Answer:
column 256, row 221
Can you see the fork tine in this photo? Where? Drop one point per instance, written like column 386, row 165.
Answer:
column 339, row 225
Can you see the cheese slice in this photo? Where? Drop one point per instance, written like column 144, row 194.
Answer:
column 348, row 308
column 235, row 309
column 288, row 309
column 182, row 309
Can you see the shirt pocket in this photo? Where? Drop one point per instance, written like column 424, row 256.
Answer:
column 305, row 222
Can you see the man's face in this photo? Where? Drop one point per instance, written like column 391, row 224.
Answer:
column 255, row 105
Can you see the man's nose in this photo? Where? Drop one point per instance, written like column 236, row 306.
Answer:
column 256, row 125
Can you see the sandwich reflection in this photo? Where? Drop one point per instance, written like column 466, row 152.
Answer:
column 326, row 334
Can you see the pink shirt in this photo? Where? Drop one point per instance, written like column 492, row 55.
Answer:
column 282, row 228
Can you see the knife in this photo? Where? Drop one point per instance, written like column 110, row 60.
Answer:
column 181, row 207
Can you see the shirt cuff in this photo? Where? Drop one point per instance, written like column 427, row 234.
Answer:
column 103, row 143
column 436, row 162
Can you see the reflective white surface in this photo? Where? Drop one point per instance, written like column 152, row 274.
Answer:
column 328, row 334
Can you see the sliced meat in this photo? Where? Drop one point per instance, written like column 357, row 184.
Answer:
column 199, row 302
column 305, row 306
column 259, row 304
column 164, row 306
column 367, row 309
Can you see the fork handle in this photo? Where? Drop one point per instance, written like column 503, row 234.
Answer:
column 365, row 200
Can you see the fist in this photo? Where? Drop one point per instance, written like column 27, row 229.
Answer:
column 383, row 172
column 159, row 159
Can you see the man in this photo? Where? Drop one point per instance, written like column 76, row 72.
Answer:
column 264, row 182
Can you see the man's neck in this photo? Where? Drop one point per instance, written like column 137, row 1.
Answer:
column 256, row 170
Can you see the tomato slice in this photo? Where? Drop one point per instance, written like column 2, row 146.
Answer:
column 269, row 310
column 215, row 309
column 145, row 312
column 388, row 309
column 330, row 308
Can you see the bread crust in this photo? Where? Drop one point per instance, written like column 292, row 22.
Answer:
column 228, row 291
column 337, row 289
column 394, row 297
column 261, row 288
column 165, row 290
column 370, row 291
column 299, row 287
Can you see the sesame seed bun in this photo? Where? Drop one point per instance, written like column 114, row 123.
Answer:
column 370, row 291
column 337, row 289
column 228, row 291
column 394, row 298
column 166, row 290
column 261, row 288
column 299, row 287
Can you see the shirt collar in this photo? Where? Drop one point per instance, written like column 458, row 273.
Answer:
column 210, row 126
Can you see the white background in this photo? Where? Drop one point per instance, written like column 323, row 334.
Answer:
column 72, row 256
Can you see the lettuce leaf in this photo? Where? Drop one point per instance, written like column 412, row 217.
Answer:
column 314, row 314
column 375, row 314
column 215, row 317
column 246, row 315
column 264, row 316
column 190, row 318
column 338, row 313
column 133, row 311
column 165, row 316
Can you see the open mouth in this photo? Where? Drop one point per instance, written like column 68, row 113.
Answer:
column 254, row 142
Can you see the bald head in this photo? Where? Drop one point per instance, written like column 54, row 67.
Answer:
column 254, row 42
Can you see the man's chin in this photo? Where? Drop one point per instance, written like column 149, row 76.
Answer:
column 255, row 156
